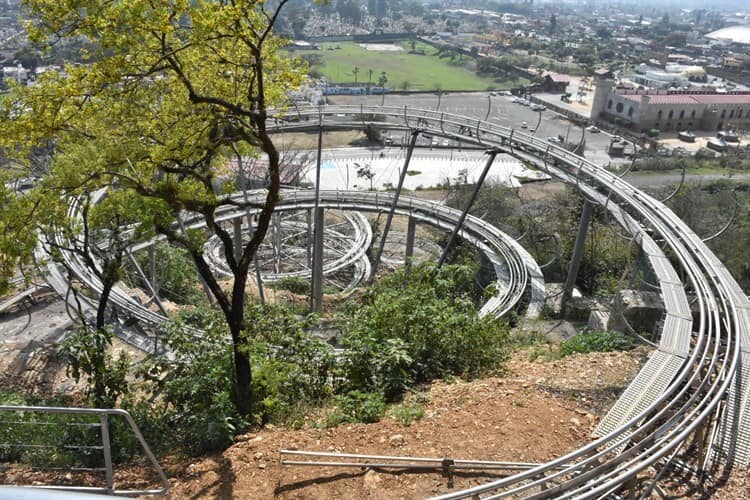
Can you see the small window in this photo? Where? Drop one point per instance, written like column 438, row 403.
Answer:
column 692, row 114
column 658, row 115
column 731, row 114
column 609, row 104
column 682, row 114
column 671, row 114
column 619, row 107
column 723, row 113
column 630, row 111
column 739, row 114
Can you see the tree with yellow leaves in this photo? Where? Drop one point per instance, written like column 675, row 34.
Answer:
column 170, row 92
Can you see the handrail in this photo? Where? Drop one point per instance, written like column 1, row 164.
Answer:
column 103, row 414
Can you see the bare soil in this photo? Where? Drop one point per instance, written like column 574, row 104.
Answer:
column 535, row 412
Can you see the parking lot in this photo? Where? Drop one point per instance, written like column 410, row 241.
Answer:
column 503, row 111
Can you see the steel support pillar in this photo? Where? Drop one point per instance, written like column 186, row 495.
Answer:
column 319, row 216
column 237, row 225
column 258, row 277
column 148, row 284
column 575, row 259
column 276, row 242
column 308, row 247
column 444, row 255
column 152, row 260
column 411, row 230
column 389, row 219
column 317, row 267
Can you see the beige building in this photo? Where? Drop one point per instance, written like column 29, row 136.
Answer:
column 671, row 110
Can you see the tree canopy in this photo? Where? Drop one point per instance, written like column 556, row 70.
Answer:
column 169, row 91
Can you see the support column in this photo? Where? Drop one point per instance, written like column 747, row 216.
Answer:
column 237, row 225
column 411, row 230
column 151, row 289
column 444, row 255
column 319, row 216
column 308, row 246
column 258, row 277
column 276, row 242
column 152, row 259
column 575, row 259
column 317, row 267
column 389, row 219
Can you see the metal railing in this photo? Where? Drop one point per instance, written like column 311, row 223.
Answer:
column 50, row 444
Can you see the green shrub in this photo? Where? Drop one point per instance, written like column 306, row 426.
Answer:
column 188, row 400
column 294, row 284
column 407, row 412
column 597, row 341
column 418, row 325
column 356, row 406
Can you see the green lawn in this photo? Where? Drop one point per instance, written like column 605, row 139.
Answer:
column 404, row 71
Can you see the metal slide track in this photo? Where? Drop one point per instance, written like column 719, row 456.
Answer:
column 710, row 388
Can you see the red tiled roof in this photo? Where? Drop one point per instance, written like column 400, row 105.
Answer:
column 675, row 99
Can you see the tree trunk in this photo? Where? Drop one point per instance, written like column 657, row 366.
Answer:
column 243, row 372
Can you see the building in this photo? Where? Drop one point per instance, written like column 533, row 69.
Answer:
column 671, row 110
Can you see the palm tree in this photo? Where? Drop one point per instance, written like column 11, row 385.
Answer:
column 381, row 81
column 369, row 79
column 356, row 72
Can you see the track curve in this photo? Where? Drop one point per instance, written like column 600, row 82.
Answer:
column 704, row 347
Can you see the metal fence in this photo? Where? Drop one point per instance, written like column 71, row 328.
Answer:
column 75, row 449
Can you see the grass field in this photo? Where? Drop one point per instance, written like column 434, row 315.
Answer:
column 404, row 71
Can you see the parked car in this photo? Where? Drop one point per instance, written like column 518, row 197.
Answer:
column 553, row 139
column 538, row 107
column 717, row 145
column 728, row 136
column 524, row 125
column 686, row 136
column 593, row 129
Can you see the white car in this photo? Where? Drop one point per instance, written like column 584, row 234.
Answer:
column 593, row 129
column 524, row 125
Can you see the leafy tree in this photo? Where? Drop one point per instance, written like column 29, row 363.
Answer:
column 173, row 90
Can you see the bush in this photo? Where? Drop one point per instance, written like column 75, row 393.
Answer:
column 356, row 406
column 597, row 341
column 418, row 325
column 188, row 400
column 407, row 412
column 294, row 284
